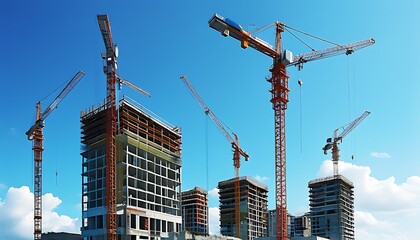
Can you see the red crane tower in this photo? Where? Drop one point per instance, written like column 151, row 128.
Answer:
column 236, row 148
column 35, row 134
column 110, row 69
column 279, row 93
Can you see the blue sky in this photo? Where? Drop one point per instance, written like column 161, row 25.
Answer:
column 45, row 43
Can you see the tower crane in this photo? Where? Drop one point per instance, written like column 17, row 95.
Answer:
column 279, row 92
column 236, row 148
column 110, row 68
column 35, row 134
column 332, row 143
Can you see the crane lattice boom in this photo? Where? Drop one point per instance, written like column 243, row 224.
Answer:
column 70, row 85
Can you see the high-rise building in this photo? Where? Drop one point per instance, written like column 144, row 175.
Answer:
column 194, row 205
column 331, row 202
column 148, row 174
column 272, row 223
column 253, row 208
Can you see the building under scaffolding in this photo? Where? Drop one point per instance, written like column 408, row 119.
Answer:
column 194, row 205
column 331, row 202
column 253, row 208
column 148, row 165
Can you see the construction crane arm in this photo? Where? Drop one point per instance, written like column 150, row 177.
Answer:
column 336, row 139
column 105, row 29
column 227, row 27
column 329, row 52
column 219, row 124
column 132, row 86
column 353, row 124
column 70, row 85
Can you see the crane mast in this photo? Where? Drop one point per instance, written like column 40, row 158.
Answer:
column 110, row 56
column 237, row 150
column 332, row 143
column 111, row 125
column 279, row 93
column 35, row 134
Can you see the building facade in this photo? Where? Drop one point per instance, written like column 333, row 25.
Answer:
column 148, row 174
column 331, row 202
column 253, row 208
column 194, row 205
column 297, row 226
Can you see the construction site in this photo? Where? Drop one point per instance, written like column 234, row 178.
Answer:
column 132, row 160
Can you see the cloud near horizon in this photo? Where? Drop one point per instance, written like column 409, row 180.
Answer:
column 261, row 179
column 16, row 215
column 214, row 193
column 380, row 155
column 383, row 208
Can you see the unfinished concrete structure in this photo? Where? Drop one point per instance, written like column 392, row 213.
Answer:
column 253, row 208
column 148, row 165
column 297, row 226
column 331, row 202
column 194, row 205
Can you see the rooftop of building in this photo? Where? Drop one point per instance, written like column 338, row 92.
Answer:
column 330, row 178
column 195, row 189
column 250, row 179
column 139, row 107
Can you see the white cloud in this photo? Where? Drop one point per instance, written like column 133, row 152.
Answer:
column 214, row 221
column 261, row 179
column 16, row 215
column 380, row 155
column 214, row 193
column 12, row 131
column 384, row 209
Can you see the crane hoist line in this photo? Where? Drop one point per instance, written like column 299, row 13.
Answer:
column 279, row 92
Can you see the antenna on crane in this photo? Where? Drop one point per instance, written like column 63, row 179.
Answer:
column 332, row 143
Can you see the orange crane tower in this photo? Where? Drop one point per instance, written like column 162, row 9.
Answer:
column 332, row 143
column 279, row 93
column 110, row 56
column 35, row 134
column 236, row 148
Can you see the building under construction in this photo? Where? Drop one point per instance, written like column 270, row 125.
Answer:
column 331, row 202
column 148, row 174
column 253, row 208
column 194, row 205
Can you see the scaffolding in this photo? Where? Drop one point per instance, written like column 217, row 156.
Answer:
column 148, row 173
column 253, row 208
column 195, row 211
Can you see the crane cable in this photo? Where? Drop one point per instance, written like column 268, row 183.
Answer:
column 312, row 36
column 300, row 113
column 207, row 153
column 294, row 35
